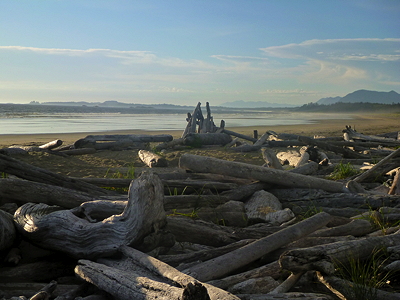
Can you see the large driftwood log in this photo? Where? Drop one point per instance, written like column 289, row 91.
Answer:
column 26, row 171
column 213, row 165
column 239, row 135
column 151, row 159
column 140, row 276
column 371, row 138
column 270, row 158
column 324, row 257
column 77, row 237
column 222, row 265
column 142, row 138
column 23, row 191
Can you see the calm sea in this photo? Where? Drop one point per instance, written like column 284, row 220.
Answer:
column 97, row 122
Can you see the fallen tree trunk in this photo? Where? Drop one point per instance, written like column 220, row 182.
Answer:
column 239, row 135
column 205, row 164
column 77, row 237
column 23, row 170
column 202, row 139
column 222, row 265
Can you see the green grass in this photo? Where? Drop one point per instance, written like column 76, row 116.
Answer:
column 343, row 171
column 365, row 276
column 130, row 174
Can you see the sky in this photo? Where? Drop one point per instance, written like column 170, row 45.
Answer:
column 188, row 51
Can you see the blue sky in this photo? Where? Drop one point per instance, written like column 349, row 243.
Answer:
column 183, row 52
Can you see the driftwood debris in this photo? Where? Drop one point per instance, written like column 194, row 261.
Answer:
column 151, row 159
column 126, row 246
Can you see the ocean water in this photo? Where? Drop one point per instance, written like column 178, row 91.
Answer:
column 38, row 123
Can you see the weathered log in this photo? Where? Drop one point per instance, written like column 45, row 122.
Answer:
column 358, row 227
column 272, row 269
column 395, row 187
column 270, row 158
column 202, row 255
column 199, row 232
column 262, row 139
column 287, row 296
column 171, row 144
column 77, row 237
column 364, row 176
column 345, row 289
column 241, row 193
column 23, row 191
column 26, row 171
column 151, row 159
column 239, row 135
column 27, row 289
column 192, row 120
column 202, row 139
column 51, row 145
column 306, row 169
column 371, row 138
column 222, row 265
column 213, row 165
column 328, row 147
column 7, row 230
column 140, row 276
column 287, row 284
column 80, row 151
column 144, row 138
column 192, row 201
column 246, row 148
column 291, row 157
column 324, row 257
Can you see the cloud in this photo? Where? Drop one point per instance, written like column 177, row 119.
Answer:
column 341, row 60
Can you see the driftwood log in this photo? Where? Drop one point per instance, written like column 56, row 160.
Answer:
column 79, row 238
column 202, row 139
column 151, row 159
column 7, row 230
column 23, row 170
column 205, row 164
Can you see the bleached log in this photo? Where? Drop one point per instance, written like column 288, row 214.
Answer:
column 23, row 170
column 143, row 138
column 77, row 237
column 372, row 138
column 323, row 257
column 270, row 158
column 151, row 159
column 192, row 120
column 287, row 284
column 23, row 191
column 8, row 233
column 262, row 139
column 51, row 145
column 222, row 265
column 213, row 165
column 242, row 192
column 395, row 187
column 290, row 158
column 306, row 169
column 344, row 289
column 304, row 158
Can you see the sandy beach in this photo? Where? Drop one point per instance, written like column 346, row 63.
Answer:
column 367, row 124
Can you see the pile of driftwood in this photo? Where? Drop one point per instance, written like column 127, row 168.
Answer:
column 228, row 230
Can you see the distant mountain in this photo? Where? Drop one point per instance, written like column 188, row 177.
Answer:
column 254, row 104
column 364, row 96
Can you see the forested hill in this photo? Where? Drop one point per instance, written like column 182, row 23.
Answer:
column 364, row 96
column 350, row 107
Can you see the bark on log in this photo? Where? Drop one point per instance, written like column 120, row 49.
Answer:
column 213, row 165
column 77, row 237
column 151, row 159
column 23, row 170
column 7, row 230
column 222, row 265
column 23, row 191
column 323, row 257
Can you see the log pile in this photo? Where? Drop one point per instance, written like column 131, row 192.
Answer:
column 234, row 231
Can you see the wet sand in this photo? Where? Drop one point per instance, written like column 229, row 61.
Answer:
column 367, row 124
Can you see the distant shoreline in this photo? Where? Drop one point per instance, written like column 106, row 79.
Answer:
column 367, row 124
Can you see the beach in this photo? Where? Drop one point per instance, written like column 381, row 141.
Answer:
column 367, row 124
